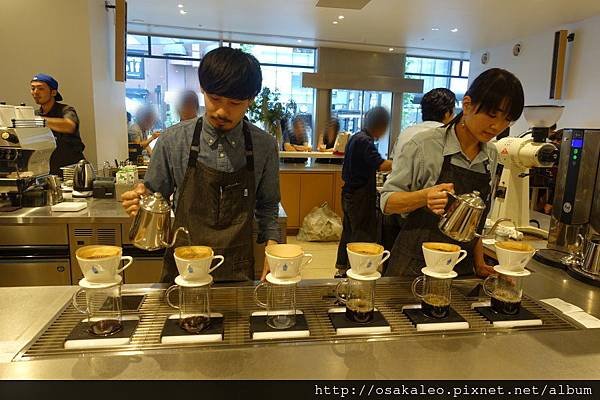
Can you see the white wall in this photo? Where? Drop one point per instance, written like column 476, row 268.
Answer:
column 533, row 66
column 70, row 40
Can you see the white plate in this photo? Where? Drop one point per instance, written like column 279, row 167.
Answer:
column 279, row 281
column 179, row 281
column 84, row 283
column 371, row 277
column 509, row 272
column 69, row 206
column 430, row 272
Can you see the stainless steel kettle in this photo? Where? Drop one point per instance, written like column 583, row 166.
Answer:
column 462, row 216
column 591, row 258
column 151, row 228
column 83, row 177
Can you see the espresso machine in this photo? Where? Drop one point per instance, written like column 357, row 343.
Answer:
column 26, row 145
column 576, row 208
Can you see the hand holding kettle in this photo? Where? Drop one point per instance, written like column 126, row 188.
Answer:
column 437, row 197
column 131, row 200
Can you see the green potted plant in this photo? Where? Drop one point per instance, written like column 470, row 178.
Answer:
column 269, row 111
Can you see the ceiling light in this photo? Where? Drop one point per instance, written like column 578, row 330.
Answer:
column 182, row 12
column 454, row 30
column 341, row 17
column 299, row 40
column 335, row 22
column 137, row 20
column 435, row 29
column 391, row 49
column 180, row 6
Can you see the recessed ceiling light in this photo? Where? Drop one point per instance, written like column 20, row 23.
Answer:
column 435, row 29
column 391, row 49
column 341, row 17
column 299, row 40
column 137, row 20
column 182, row 12
column 180, row 5
column 454, row 30
column 335, row 22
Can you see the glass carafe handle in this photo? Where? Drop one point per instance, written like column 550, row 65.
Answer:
column 168, row 293
column 76, row 305
column 256, row 299
column 338, row 289
column 414, row 287
column 490, row 280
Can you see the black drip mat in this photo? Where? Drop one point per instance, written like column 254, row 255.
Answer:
column 129, row 302
column 258, row 324
column 418, row 317
column 339, row 321
column 172, row 328
column 523, row 318
column 81, row 331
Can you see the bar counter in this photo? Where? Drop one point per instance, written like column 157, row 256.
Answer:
column 497, row 354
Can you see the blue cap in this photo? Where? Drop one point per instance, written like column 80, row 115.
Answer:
column 50, row 81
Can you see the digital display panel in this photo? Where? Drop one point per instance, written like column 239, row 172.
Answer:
column 577, row 143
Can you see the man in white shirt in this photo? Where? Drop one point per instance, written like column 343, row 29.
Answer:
column 437, row 109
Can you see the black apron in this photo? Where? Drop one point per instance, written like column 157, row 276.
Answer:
column 422, row 225
column 360, row 218
column 218, row 210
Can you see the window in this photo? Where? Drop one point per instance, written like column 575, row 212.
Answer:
column 158, row 68
column 349, row 107
column 282, row 69
column 447, row 73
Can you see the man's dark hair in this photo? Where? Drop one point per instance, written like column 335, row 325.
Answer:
column 230, row 73
column 377, row 118
column 436, row 103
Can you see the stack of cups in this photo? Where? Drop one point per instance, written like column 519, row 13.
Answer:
column 358, row 291
column 506, row 288
column 194, row 264
column 285, row 262
column 102, row 286
column 440, row 260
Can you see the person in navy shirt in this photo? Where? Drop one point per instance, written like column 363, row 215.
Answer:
column 359, row 194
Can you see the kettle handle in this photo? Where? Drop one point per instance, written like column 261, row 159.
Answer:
column 455, row 198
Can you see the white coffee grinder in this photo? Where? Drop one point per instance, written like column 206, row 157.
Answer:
column 518, row 155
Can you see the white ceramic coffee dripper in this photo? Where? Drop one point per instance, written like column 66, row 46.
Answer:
column 286, row 260
column 366, row 264
column 442, row 262
column 197, row 269
column 514, row 260
column 104, row 269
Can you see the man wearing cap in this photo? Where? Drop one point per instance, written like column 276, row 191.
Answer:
column 61, row 119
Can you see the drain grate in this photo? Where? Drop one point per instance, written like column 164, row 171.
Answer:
column 237, row 303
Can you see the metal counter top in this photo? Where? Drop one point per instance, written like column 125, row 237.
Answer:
column 98, row 211
column 573, row 354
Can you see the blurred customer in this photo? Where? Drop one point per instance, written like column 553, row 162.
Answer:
column 296, row 140
column 327, row 140
column 139, row 132
column 188, row 105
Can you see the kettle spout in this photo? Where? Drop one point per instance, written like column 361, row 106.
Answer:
column 180, row 229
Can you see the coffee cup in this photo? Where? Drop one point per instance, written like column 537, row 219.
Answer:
column 513, row 255
column 365, row 258
column 194, row 262
column 286, row 260
column 100, row 263
column 442, row 257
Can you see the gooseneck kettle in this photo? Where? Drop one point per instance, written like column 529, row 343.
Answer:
column 151, row 228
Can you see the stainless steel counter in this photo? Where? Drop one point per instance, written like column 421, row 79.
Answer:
column 98, row 211
column 573, row 354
